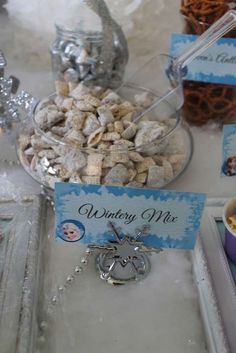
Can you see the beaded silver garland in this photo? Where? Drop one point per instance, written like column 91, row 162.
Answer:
column 61, row 290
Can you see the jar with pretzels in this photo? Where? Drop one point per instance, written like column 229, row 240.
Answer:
column 207, row 102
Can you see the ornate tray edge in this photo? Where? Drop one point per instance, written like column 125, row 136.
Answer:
column 220, row 276
column 214, row 328
column 25, row 311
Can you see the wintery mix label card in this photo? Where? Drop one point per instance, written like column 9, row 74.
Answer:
column 83, row 213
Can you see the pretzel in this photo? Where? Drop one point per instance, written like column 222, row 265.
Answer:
column 200, row 14
column 204, row 102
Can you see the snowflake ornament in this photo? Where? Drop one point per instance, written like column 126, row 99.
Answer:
column 9, row 104
column 124, row 259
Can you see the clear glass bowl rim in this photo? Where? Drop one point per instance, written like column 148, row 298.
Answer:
column 172, row 130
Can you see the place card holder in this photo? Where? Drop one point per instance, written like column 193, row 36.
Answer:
column 124, row 259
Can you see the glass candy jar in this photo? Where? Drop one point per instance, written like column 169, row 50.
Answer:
column 94, row 50
column 99, row 136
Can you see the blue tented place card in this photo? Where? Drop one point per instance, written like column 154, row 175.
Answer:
column 217, row 64
column 83, row 212
column 229, row 150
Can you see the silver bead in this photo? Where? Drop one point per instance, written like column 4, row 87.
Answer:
column 88, row 251
column 54, row 300
column 78, row 270
column 41, row 339
column 43, row 325
column 61, row 289
column 70, row 279
column 84, row 261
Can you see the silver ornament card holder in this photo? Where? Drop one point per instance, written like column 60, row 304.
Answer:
column 124, row 259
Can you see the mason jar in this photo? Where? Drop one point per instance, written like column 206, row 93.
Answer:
column 77, row 55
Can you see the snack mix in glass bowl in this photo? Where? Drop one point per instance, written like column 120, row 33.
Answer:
column 98, row 136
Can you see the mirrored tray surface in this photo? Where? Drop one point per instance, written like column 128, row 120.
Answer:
column 175, row 309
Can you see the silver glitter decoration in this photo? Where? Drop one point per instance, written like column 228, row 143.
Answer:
column 9, row 104
column 26, row 101
column 3, row 64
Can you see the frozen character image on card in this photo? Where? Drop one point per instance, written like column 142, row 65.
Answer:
column 229, row 150
column 229, row 166
column 231, row 163
column 71, row 230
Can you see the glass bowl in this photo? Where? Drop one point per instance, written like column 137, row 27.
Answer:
column 135, row 143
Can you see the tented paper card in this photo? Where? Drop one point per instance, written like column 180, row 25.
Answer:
column 217, row 64
column 229, row 150
column 83, row 212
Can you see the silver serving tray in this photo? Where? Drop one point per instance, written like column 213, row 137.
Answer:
column 217, row 290
column 21, row 227
column 75, row 316
column 23, row 289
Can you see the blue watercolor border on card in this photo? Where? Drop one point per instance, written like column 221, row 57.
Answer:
column 228, row 147
column 69, row 196
column 205, row 67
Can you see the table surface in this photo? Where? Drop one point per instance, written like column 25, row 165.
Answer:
column 30, row 62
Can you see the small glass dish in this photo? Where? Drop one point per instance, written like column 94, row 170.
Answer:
column 153, row 161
